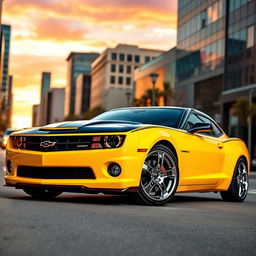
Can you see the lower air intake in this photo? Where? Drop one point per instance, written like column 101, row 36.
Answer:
column 55, row 172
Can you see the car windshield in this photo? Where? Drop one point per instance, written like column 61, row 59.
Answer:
column 158, row 116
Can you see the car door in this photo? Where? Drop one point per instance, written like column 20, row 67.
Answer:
column 202, row 153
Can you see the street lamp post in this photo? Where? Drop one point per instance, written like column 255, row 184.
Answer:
column 128, row 96
column 153, row 77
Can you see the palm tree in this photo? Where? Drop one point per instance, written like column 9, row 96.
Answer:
column 149, row 94
column 242, row 109
column 168, row 94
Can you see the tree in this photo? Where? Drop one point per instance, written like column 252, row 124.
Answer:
column 242, row 110
column 71, row 118
column 168, row 94
column 93, row 112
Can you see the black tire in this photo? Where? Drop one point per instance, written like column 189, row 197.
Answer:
column 41, row 193
column 168, row 181
column 238, row 188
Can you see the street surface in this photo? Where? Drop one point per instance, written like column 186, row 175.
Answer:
column 79, row 224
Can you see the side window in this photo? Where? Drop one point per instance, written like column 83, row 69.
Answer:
column 193, row 119
column 216, row 131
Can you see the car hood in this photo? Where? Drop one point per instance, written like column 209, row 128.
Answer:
column 86, row 126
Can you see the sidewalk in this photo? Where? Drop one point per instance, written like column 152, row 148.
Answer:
column 252, row 175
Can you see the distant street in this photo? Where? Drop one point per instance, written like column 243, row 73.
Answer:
column 79, row 224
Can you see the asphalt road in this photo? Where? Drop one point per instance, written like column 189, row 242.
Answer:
column 79, row 224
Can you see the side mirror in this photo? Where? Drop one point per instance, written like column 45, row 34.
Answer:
column 201, row 127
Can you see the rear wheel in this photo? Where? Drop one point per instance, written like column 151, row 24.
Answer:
column 238, row 188
column 41, row 193
column 159, row 178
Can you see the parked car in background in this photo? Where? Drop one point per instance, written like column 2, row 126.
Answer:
column 4, row 139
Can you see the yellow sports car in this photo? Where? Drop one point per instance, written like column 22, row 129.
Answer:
column 150, row 153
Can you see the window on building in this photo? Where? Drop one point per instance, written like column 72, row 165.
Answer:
column 112, row 79
column 203, row 18
column 250, row 37
column 121, row 68
column 120, row 80
column 137, row 58
column 113, row 56
column 113, row 67
column 121, row 57
column 129, row 57
column 128, row 69
column 128, row 81
column 147, row 59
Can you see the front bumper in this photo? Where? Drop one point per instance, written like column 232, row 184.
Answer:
column 129, row 159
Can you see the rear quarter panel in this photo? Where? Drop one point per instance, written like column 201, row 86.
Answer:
column 234, row 148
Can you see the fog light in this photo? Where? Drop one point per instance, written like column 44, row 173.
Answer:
column 114, row 170
column 9, row 167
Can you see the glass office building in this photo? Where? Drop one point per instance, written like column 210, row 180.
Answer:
column 200, row 63
column 6, row 36
column 240, row 69
column 78, row 63
column 217, row 64
column 45, row 83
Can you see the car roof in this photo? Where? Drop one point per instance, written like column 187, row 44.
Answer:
column 150, row 107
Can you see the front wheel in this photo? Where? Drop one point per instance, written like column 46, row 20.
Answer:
column 159, row 178
column 238, row 188
column 42, row 193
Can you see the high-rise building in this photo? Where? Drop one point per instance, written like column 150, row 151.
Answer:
column 45, row 86
column 45, row 83
column 54, row 107
column 9, row 91
column 78, row 63
column 200, row 64
column 112, row 74
column 240, row 68
column 218, row 65
column 6, row 36
column 83, row 92
column 35, row 115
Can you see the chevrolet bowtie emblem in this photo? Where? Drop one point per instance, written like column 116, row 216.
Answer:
column 47, row 143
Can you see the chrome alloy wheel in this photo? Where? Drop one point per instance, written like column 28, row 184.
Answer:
column 159, row 175
column 242, row 180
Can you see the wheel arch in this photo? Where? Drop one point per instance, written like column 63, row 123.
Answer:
column 246, row 161
column 169, row 145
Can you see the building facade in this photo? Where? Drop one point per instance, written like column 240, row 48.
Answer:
column 218, row 65
column 83, row 92
column 200, row 63
column 55, row 105
column 35, row 115
column 78, row 63
column 240, row 69
column 6, row 37
column 112, row 83
column 164, row 66
column 45, row 86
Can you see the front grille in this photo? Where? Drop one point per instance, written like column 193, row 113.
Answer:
column 61, row 143
column 55, row 172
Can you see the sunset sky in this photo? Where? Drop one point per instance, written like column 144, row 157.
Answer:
column 45, row 31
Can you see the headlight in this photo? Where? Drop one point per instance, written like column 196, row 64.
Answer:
column 19, row 142
column 107, row 141
column 112, row 141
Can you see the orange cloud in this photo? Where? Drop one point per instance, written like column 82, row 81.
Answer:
column 44, row 32
column 53, row 28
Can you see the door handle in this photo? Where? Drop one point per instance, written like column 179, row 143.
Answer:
column 220, row 145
